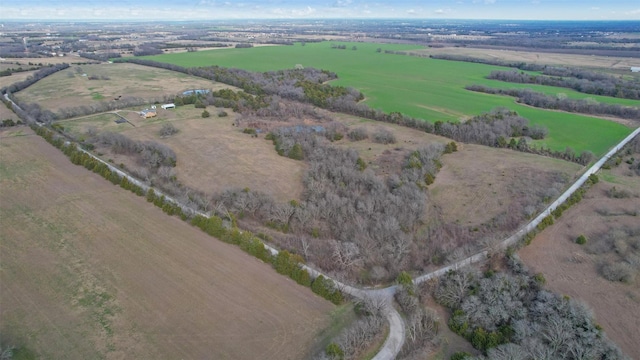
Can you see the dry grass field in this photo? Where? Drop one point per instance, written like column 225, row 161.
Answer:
column 477, row 183
column 90, row 271
column 213, row 155
column 14, row 78
column 621, row 64
column 69, row 88
column 5, row 113
column 570, row 270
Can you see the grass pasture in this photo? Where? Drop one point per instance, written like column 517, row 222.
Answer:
column 69, row 88
column 90, row 271
column 212, row 154
column 420, row 87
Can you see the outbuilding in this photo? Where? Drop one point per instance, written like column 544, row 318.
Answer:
column 168, row 106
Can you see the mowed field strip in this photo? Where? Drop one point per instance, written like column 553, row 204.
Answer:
column 91, row 271
column 420, row 87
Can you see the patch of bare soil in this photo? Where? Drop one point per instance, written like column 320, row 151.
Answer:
column 89, row 270
column 570, row 270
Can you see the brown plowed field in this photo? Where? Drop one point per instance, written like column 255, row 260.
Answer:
column 91, row 271
column 570, row 270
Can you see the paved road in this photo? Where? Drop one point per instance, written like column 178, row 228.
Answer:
column 395, row 340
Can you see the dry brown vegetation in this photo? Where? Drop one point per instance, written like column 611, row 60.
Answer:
column 69, row 88
column 5, row 113
column 621, row 64
column 478, row 183
column 571, row 270
column 213, row 155
column 90, row 271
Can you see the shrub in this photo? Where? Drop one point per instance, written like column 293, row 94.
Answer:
column 539, row 279
column 222, row 114
column 357, row 134
column 168, row 129
column 460, row 355
column 617, row 271
column 581, row 240
column 334, row 351
column 618, row 194
column 205, row 114
column 296, row 152
column 384, row 136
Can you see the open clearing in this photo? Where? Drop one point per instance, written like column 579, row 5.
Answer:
column 213, row 155
column 570, row 270
column 69, row 88
column 420, row 87
column 91, row 271
column 478, row 183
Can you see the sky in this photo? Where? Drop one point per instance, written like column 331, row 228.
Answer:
column 317, row 9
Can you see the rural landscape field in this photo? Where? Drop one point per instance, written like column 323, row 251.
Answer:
column 89, row 271
column 320, row 189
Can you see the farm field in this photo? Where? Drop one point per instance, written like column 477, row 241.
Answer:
column 5, row 113
column 420, row 87
column 571, row 270
column 611, row 63
column 14, row 78
column 91, row 271
column 126, row 80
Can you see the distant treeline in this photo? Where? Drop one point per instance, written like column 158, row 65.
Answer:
column 99, row 57
column 583, row 81
column 583, row 106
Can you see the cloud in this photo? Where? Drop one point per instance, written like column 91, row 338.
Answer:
column 292, row 13
column 595, row 8
column 489, row 2
column 633, row 12
column 342, row 3
column 411, row 12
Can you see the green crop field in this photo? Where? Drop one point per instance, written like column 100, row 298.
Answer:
column 420, row 87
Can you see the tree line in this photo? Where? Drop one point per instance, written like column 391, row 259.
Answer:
column 583, row 81
column 583, row 106
column 32, row 79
